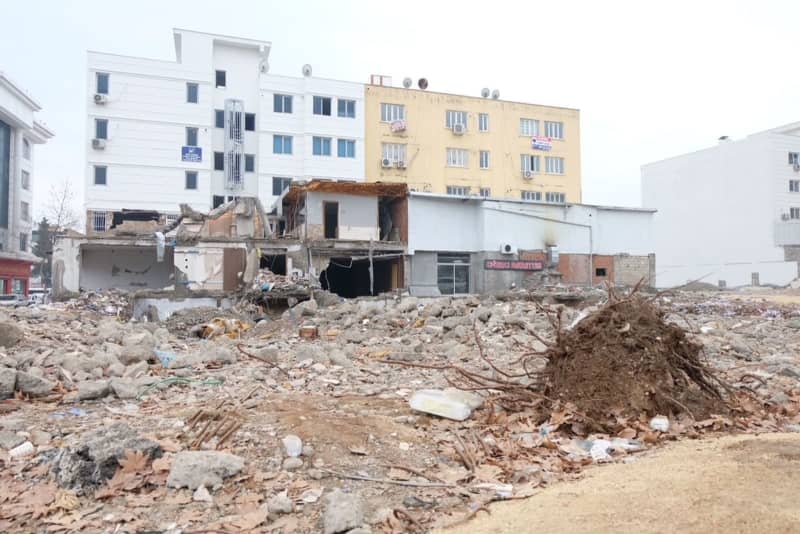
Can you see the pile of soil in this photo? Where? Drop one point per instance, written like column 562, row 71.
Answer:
column 625, row 359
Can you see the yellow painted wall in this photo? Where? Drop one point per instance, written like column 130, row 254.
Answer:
column 427, row 140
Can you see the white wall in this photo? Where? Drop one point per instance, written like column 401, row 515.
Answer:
column 358, row 215
column 717, row 209
column 123, row 267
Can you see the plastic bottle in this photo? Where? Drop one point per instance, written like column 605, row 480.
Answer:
column 436, row 402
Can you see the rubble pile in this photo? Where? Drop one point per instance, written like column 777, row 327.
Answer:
column 108, row 424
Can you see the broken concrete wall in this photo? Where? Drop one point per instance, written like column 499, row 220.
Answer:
column 215, row 266
column 358, row 216
column 124, row 267
column 164, row 307
column 66, row 266
column 629, row 269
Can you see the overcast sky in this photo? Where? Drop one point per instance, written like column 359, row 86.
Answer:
column 652, row 79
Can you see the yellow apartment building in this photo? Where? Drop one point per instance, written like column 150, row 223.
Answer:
column 463, row 145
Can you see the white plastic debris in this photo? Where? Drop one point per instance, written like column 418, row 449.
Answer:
column 201, row 494
column 503, row 491
column 659, row 423
column 21, row 451
column 599, row 450
column 293, row 446
column 437, row 402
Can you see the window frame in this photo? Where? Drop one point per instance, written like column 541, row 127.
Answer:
column 555, row 197
column 557, row 169
column 322, row 100
column 484, row 155
column 794, row 213
column 549, row 126
column 322, row 143
column 450, row 118
column 97, row 123
column 457, row 190
column 26, row 149
column 249, row 122
column 346, row 143
column 452, row 262
column 534, row 126
column 25, row 210
column 794, row 158
column 188, row 182
column 394, row 152
column 189, row 87
column 192, row 131
column 458, row 154
column 347, row 103
column 217, row 73
column 99, row 216
column 485, row 192
column 283, row 141
column 25, row 180
column 483, row 122
column 283, row 98
column 282, row 180
column 219, row 157
column 535, row 196
column 794, row 186
column 249, row 163
column 97, row 168
column 219, row 114
column 534, row 164
column 23, row 242
column 97, row 85
column 392, row 112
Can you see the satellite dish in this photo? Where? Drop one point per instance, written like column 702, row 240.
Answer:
column 306, row 70
column 423, row 83
column 495, row 94
column 407, row 82
column 485, row 92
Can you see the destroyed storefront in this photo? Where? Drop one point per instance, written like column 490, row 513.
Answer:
column 460, row 245
column 353, row 235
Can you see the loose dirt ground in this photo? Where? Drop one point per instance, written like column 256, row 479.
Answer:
column 729, row 484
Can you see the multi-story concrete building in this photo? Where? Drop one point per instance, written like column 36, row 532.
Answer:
column 211, row 125
column 19, row 132
column 463, row 145
column 729, row 213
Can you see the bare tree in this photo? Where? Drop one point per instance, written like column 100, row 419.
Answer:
column 60, row 209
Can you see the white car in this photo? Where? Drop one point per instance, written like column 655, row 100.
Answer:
column 38, row 296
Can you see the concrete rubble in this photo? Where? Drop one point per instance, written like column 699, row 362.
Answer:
column 262, row 427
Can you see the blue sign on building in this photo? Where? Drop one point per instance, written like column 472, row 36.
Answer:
column 193, row 154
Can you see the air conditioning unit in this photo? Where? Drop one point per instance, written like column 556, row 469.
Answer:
column 98, row 144
column 507, row 248
column 386, row 163
column 528, row 175
column 100, row 99
column 459, row 129
column 400, row 164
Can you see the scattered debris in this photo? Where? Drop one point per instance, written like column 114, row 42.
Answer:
column 193, row 469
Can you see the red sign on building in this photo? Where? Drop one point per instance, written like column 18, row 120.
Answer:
column 513, row 265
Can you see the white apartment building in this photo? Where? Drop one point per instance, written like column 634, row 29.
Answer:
column 212, row 125
column 729, row 213
column 19, row 132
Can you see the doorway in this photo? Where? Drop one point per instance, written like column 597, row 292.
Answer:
column 330, row 214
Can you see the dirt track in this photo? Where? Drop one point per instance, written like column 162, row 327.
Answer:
column 730, row 484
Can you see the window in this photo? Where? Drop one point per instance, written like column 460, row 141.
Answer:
column 191, row 136
column 553, row 165
column 600, row 271
column 794, row 158
column 530, row 163
column 249, row 163
column 452, row 274
column 281, row 144
column 219, row 118
column 458, row 190
column 23, row 242
column 346, row 108
column 393, row 112
column 250, row 122
column 321, row 146
column 554, row 130
column 25, row 180
column 455, row 117
column 528, row 127
column 191, row 179
column 100, row 175
column 483, row 122
column 220, row 78
column 485, row 192
column 170, row 218
column 18, row 285
column 794, row 186
column 484, row 159
column 531, row 195
column 457, row 157
column 101, row 129
column 102, row 83
column 322, row 105
column 217, row 201
column 192, row 93
column 394, row 152
column 99, row 221
column 279, row 185
column 794, row 213
column 346, row 148
column 555, row 198
column 26, row 149
column 281, row 103
column 219, row 161
column 25, row 210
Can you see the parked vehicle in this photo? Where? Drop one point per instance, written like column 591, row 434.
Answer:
column 38, row 296
column 12, row 300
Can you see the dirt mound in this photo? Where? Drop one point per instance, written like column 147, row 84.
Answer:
column 625, row 359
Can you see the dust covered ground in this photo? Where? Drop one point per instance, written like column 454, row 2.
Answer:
column 118, row 426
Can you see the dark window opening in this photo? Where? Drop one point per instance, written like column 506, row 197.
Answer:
column 100, row 175
column 192, row 93
column 219, row 161
column 219, row 118
column 452, row 273
column 600, row 271
column 100, row 129
column 217, row 201
column 220, row 78
column 5, row 176
column 276, row 264
column 279, row 185
column 330, row 215
column 191, row 136
column 102, row 83
column 191, row 180
column 249, row 163
column 322, row 105
column 250, row 122
column 350, row 278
